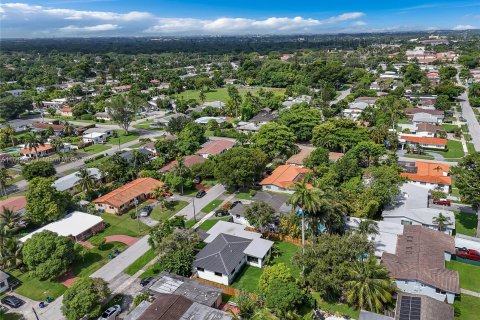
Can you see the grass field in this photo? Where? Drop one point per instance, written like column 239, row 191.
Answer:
column 96, row 258
column 208, row 224
column 249, row 276
column 449, row 127
column 211, row 206
column 122, row 225
column 455, row 150
column 140, row 262
column 470, row 147
column 467, row 307
column 221, row 94
column 123, row 137
column 419, row 156
column 145, row 125
column 37, row 290
column 96, row 148
column 469, row 274
column 159, row 213
column 465, row 223
column 336, row 307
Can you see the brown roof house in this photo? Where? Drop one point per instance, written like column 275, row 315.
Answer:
column 418, row 265
column 15, row 204
column 188, row 161
column 123, row 198
column 214, row 147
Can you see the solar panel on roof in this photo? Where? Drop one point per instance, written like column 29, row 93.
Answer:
column 410, row 308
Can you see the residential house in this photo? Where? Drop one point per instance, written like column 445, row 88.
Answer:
column 418, row 266
column 55, row 103
column 16, row 92
column 300, row 99
column 297, row 159
column 229, row 247
column 247, row 127
column 263, row 116
column 423, row 142
column 119, row 89
column 428, row 130
column 66, row 111
column 123, row 198
column 129, row 155
column 411, row 207
column 76, row 225
column 369, row 100
column 355, row 109
column 426, row 115
column 41, row 151
column 283, row 177
column 43, row 126
column 4, row 281
column 431, row 175
column 103, row 116
column 70, row 182
column 188, row 161
column 206, row 120
column 15, row 204
column 213, row 104
column 96, row 135
column 215, row 147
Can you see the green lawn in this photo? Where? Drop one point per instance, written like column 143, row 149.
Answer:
column 145, row 125
column 159, row 213
column 96, row 258
column 37, row 290
column 403, row 121
column 419, row 156
column 96, row 163
column 335, row 307
column 467, row 307
column 96, row 148
column 470, row 147
column 122, row 225
column 123, row 137
column 243, row 196
column 211, row 206
column 455, row 150
column 208, row 224
column 248, row 278
column 465, row 223
column 469, row 274
column 449, row 127
column 190, row 223
column 221, row 94
column 140, row 262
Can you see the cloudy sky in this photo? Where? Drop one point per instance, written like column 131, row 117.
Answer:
column 87, row 18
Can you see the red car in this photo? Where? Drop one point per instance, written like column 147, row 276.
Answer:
column 468, row 254
column 442, row 202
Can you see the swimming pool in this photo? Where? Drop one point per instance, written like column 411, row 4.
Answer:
column 10, row 150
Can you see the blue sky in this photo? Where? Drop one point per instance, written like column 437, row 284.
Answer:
column 77, row 18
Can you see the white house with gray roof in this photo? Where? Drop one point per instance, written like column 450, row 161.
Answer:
column 69, row 182
column 229, row 247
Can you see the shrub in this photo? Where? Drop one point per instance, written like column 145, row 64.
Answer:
column 86, row 116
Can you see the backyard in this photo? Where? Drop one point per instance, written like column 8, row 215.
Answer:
column 466, row 223
column 221, row 94
column 248, row 278
column 467, row 307
column 469, row 274
column 336, row 307
column 159, row 213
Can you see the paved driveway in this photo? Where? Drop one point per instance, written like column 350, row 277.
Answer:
column 212, row 194
column 469, row 115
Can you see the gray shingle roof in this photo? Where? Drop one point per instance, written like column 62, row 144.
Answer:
column 222, row 254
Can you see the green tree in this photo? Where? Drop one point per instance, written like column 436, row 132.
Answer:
column 9, row 132
column 369, row 286
column 240, row 167
column 122, row 110
column 85, row 298
column 301, row 119
column 467, row 179
column 10, row 251
column 44, row 203
column 86, row 180
column 368, row 153
column 38, row 168
column 338, row 135
column 441, row 221
column 48, row 255
column 318, row 157
column 4, row 179
column 275, row 140
column 12, row 107
column 191, row 138
column 367, row 227
column 176, row 124
column 259, row 214
column 234, row 100
column 11, row 220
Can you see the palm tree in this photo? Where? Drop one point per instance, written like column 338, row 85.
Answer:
column 57, row 144
column 68, row 128
column 33, row 141
column 158, row 193
column 369, row 286
column 10, row 220
column 10, row 253
column 441, row 221
column 4, row 178
column 86, row 179
column 367, row 227
column 9, row 132
column 202, row 96
column 307, row 199
column 180, row 170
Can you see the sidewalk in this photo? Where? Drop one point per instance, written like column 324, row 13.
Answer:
column 470, row 293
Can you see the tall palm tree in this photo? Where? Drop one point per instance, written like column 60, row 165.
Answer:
column 369, row 286
column 68, row 128
column 10, row 220
column 9, row 132
column 4, row 178
column 86, row 180
column 441, row 221
column 10, row 253
column 158, row 194
column 180, row 170
column 306, row 199
column 33, row 141
column 57, row 144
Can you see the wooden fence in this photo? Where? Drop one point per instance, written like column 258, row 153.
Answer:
column 278, row 237
column 234, row 292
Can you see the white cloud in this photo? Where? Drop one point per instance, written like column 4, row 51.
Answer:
column 464, row 27
column 359, row 24
column 21, row 19
column 97, row 28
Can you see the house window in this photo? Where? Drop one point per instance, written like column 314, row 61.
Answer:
column 233, row 271
column 3, row 284
column 252, row 259
column 218, row 274
column 200, row 269
column 406, row 222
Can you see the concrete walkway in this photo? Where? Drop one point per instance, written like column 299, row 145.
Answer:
column 470, row 293
column 212, row 213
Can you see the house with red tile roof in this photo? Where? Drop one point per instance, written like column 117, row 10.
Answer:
column 15, row 204
column 66, row 111
column 424, row 142
column 120, row 200
column 188, row 161
column 428, row 174
column 215, row 147
column 40, row 151
column 283, row 178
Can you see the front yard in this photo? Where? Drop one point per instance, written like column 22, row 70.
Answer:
column 96, row 258
column 336, row 307
column 159, row 213
column 123, row 137
column 211, row 206
column 140, row 262
column 469, row 274
column 208, row 224
column 35, row 289
column 455, row 150
column 122, row 225
column 466, row 223
column 95, row 148
column 467, row 307
column 248, row 279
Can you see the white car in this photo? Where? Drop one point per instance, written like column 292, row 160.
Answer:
column 111, row 313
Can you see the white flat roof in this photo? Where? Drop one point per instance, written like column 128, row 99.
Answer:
column 72, row 224
column 93, row 135
column 69, row 181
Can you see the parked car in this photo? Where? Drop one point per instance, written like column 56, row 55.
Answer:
column 197, row 179
column 221, row 212
column 111, row 313
column 468, row 254
column 145, row 281
column 200, row 194
column 12, row 301
column 442, row 202
column 145, row 212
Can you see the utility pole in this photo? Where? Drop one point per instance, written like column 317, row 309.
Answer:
column 136, row 212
